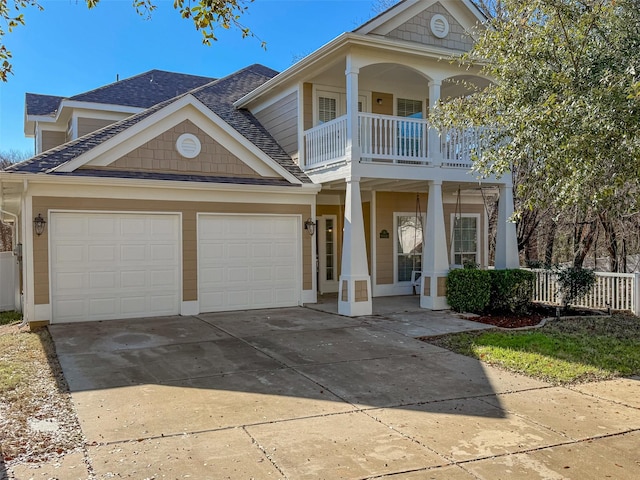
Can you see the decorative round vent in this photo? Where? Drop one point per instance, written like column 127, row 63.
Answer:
column 188, row 145
column 439, row 25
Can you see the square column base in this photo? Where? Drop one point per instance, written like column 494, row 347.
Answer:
column 354, row 296
column 433, row 291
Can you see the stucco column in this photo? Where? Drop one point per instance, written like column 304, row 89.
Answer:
column 506, row 237
column 435, row 262
column 435, row 152
column 354, row 293
column 353, row 147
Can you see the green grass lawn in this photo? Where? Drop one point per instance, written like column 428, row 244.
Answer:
column 562, row 352
column 9, row 317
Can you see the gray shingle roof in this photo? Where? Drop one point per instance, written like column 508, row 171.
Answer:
column 218, row 96
column 142, row 91
column 37, row 104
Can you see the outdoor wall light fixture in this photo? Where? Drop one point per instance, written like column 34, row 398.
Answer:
column 38, row 224
column 379, row 101
column 310, row 226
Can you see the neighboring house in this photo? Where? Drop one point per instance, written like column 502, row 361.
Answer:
column 170, row 194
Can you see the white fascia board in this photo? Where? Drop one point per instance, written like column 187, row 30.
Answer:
column 98, row 106
column 267, row 102
column 319, row 54
column 344, row 41
column 475, row 10
column 146, row 189
column 143, row 131
column 381, row 19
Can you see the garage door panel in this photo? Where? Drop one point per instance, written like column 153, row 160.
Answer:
column 120, row 270
column 101, row 253
column 133, row 279
column 161, row 278
column 70, row 281
column 244, row 260
column 70, row 253
column 101, row 226
column 102, row 307
column 103, row 280
column 69, row 308
column 162, row 252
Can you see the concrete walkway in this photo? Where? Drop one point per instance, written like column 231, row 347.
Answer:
column 300, row 393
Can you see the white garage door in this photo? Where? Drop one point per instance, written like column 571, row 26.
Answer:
column 114, row 265
column 248, row 261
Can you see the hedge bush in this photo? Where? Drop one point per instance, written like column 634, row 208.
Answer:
column 511, row 290
column 468, row 290
column 493, row 291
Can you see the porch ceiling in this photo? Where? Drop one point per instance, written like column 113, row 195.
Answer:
column 393, row 185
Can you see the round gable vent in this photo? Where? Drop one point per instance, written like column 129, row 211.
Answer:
column 188, row 145
column 439, row 25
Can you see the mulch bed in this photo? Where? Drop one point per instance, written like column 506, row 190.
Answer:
column 530, row 319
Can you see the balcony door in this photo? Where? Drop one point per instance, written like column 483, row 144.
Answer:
column 410, row 134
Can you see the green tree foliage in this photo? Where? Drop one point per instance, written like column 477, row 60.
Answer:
column 207, row 16
column 566, row 102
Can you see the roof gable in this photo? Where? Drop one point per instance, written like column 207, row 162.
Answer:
column 444, row 24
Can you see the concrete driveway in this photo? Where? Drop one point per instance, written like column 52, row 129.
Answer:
column 297, row 393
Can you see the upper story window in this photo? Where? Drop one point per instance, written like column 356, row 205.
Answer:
column 328, row 106
column 331, row 105
column 409, row 108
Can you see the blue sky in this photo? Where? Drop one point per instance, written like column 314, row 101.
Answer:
column 67, row 49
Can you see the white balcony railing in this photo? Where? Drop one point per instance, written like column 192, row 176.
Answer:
column 395, row 139
column 617, row 291
column 326, row 143
column 459, row 147
column 388, row 139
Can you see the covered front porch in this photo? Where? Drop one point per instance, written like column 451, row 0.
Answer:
column 384, row 238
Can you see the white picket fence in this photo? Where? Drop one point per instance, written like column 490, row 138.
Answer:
column 615, row 291
column 7, row 281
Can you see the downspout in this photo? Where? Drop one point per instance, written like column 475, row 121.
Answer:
column 23, row 270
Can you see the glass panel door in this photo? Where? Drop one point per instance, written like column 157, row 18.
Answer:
column 408, row 246
column 327, row 254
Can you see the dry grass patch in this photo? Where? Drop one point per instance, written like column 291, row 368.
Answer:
column 37, row 420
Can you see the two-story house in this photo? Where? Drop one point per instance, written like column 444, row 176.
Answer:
column 169, row 194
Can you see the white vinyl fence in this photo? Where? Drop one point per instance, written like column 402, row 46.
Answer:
column 617, row 291
column 7, row 281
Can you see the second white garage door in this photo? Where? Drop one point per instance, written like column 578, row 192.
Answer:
column 248, row 261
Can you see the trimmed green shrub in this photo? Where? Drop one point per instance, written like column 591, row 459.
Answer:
column 468, row 290
column 574, row 282
column 511, row 290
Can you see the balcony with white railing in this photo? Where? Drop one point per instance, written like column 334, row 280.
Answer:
column 392, row 140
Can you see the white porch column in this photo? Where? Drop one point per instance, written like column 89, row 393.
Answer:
column 353, row 147
column 435, row 261
column 506, row 237
column 435, row 152
column 354, row 293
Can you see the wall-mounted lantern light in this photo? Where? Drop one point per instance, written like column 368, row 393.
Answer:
column 310, row 226
column 39, row 224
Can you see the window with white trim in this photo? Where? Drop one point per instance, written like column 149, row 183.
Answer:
column 408, row 240
column 409, row 108
column 327, row 108
column 465, row 238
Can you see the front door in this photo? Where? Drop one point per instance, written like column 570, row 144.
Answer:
column 327, row 254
